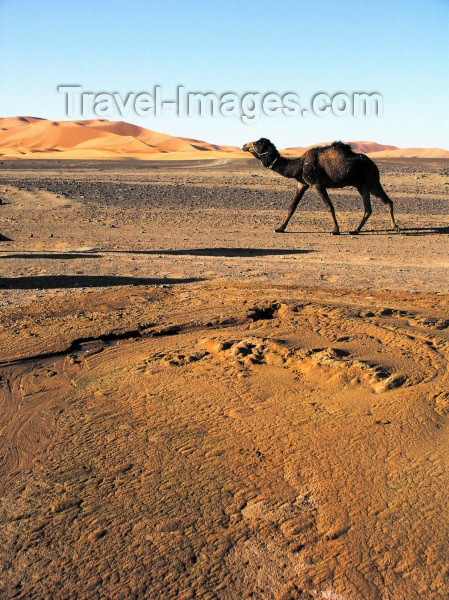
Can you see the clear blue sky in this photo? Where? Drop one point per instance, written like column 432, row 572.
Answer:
column 397, row 48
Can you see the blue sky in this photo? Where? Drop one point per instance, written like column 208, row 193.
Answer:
column 399, row 49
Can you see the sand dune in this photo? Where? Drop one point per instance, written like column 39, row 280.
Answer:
column 376, row 150
column 357, row 146
column 14, row 122
column 32, row 137
column 412, row 153
column 125, row 144
column 368, row 147
column 45, row 135
column 292, row 152
column 29, row 137
column 160, row 141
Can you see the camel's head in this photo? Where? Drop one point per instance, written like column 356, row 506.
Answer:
column 259, row 148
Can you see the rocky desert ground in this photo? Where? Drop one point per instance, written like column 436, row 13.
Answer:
column 193, row 406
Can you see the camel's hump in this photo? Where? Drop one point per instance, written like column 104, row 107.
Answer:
column 342, row 146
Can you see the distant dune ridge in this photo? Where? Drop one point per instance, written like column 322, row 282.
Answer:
column 382, row 151
column 32, row 137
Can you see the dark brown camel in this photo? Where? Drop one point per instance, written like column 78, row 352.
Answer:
column 333, row 166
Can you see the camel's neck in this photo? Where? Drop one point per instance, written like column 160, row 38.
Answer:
column 270, row 158
column 287, row 167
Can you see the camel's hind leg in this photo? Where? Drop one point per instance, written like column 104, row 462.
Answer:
column 364, row 192
column 379, row 192
column 327, row 201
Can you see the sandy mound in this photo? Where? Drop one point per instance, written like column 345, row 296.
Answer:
column 366, row 147
column 160, row 141
column 123, row 144
column 295, row 151
column 362, row 147
column 95, row 138
column 412, row 153
column 380, row 151
column 16, row 122
column 45, row 135
column 29, row 137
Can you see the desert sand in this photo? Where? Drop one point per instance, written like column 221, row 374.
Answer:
column 101, row 139
column 30, row 137
column 193, row 406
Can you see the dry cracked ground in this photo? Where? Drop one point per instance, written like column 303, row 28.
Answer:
column 192, row 406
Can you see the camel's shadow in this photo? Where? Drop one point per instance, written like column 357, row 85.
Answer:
column 54, row 282
column 51, row 255
column 437, row 230
column 443, row 230
column 218, row 252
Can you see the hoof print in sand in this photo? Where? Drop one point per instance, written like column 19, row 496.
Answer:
column 178, row 359
column 326, row 366
column 247, row 351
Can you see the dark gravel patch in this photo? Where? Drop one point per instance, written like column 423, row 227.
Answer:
column 231, row 197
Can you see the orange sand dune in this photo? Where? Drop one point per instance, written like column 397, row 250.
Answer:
column 32, row 137
column 125, row 144
column 412, row 153
column 358, row 146
column 43, row 135
column 28, row 137
column 14, row 122
column 379, row 151
column 295, row 151
column 162, row 141
column 367, row 147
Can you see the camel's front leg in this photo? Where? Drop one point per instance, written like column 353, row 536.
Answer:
column 330, row 207
column 302, row 187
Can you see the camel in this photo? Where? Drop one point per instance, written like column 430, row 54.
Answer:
column 333, row 166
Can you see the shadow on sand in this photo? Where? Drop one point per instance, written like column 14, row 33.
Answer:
column 404, row 231
column 54, row 282
column 437, row 230
column 225, row 252
column 54, row 255
column 425, row 230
